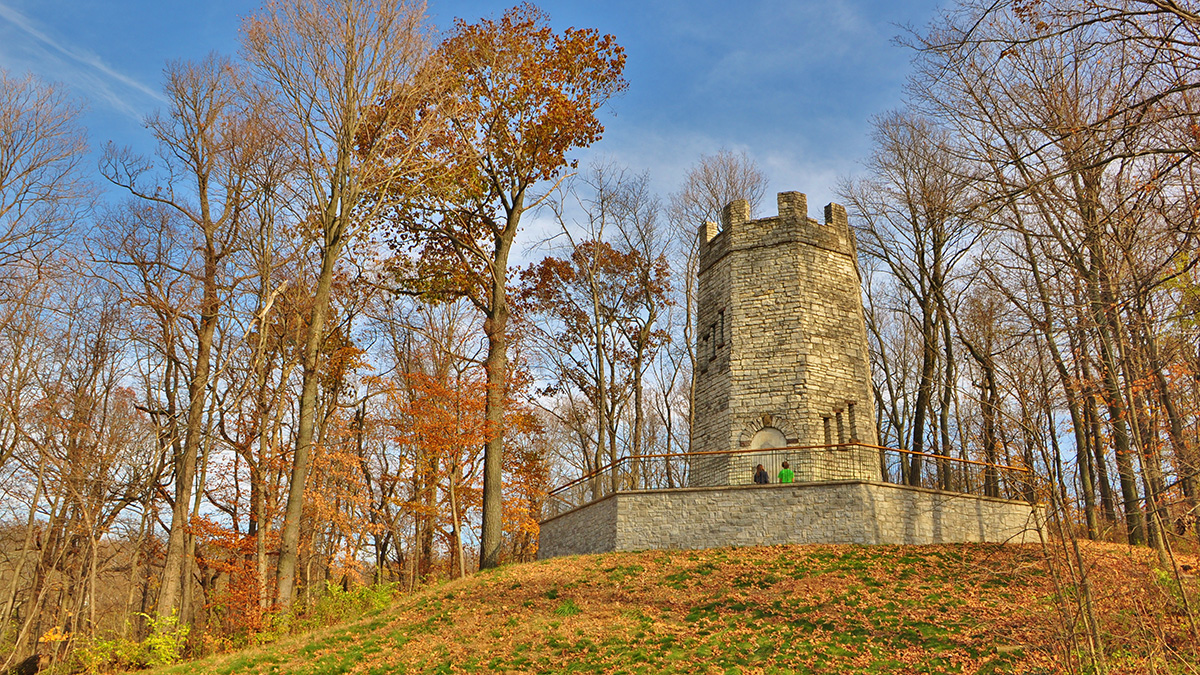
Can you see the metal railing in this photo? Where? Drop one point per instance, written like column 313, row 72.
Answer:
column 808, row 464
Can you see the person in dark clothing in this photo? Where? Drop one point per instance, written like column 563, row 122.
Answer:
column 760, row 475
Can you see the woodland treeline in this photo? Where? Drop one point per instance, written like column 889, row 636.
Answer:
column 1027, row 230
column 295, row 355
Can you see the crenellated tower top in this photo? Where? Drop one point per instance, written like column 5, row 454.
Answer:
column 737, row 230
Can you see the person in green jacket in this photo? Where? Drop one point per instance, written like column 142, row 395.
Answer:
column 786, row 475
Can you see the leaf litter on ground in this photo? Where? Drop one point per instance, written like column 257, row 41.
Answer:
column 963, row 608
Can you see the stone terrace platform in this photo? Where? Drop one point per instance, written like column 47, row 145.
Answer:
column 836, row 512
column 832, row 511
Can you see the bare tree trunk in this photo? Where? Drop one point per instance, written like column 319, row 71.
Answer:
column 1184, row 454
column 639, row 417
column 924, row 394
column 949, row 386
column 1117, row 416
column 1145, row 442
column 259, row 528
column 1094, row 440
column 427, row 481
column 50, row 559
column 135, row 570
column 289, row 541
column 1107, row 326
column 31, row 527
column 1045, row 322
column 602, row 409
column 175, row 567
column 458, row 561
column 989, row 405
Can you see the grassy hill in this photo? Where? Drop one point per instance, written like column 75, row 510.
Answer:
column 780, row 609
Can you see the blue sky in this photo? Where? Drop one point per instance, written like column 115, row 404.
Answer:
column 793, row 83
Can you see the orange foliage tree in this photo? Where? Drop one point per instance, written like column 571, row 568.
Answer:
column 225, row 559
column 518, row 97
column 442, row 420
column 527, row 469
column 597, row 310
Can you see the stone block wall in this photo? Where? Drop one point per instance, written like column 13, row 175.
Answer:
column 781, row 341
column 711, row 429
column 838, row 512
column 588, row 529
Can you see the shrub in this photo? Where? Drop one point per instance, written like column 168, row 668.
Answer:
column 334, row 606
column 163, row 646
column 167, row 639
column 338, row 605
column 103, row 656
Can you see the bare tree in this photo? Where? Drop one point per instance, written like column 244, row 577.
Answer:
column 42, row 191
column 916, row 216
column 207, row 148
column 1069, row 164
column 594, row 315
column 713, row 182
column 326, row 65
column 642, row 236
column 40, row 185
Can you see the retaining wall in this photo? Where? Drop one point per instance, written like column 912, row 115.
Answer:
column 836, row 512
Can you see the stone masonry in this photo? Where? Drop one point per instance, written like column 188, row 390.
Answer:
column 841, row 512
column 782, row 361
column 781, row 344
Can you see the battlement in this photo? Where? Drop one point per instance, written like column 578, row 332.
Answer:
column 738, row 232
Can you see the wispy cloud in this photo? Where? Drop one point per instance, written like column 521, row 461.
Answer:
column 81, row 68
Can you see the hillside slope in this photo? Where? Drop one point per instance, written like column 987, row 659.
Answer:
column 820, row 609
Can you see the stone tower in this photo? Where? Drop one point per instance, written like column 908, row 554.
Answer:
column 781, row 348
